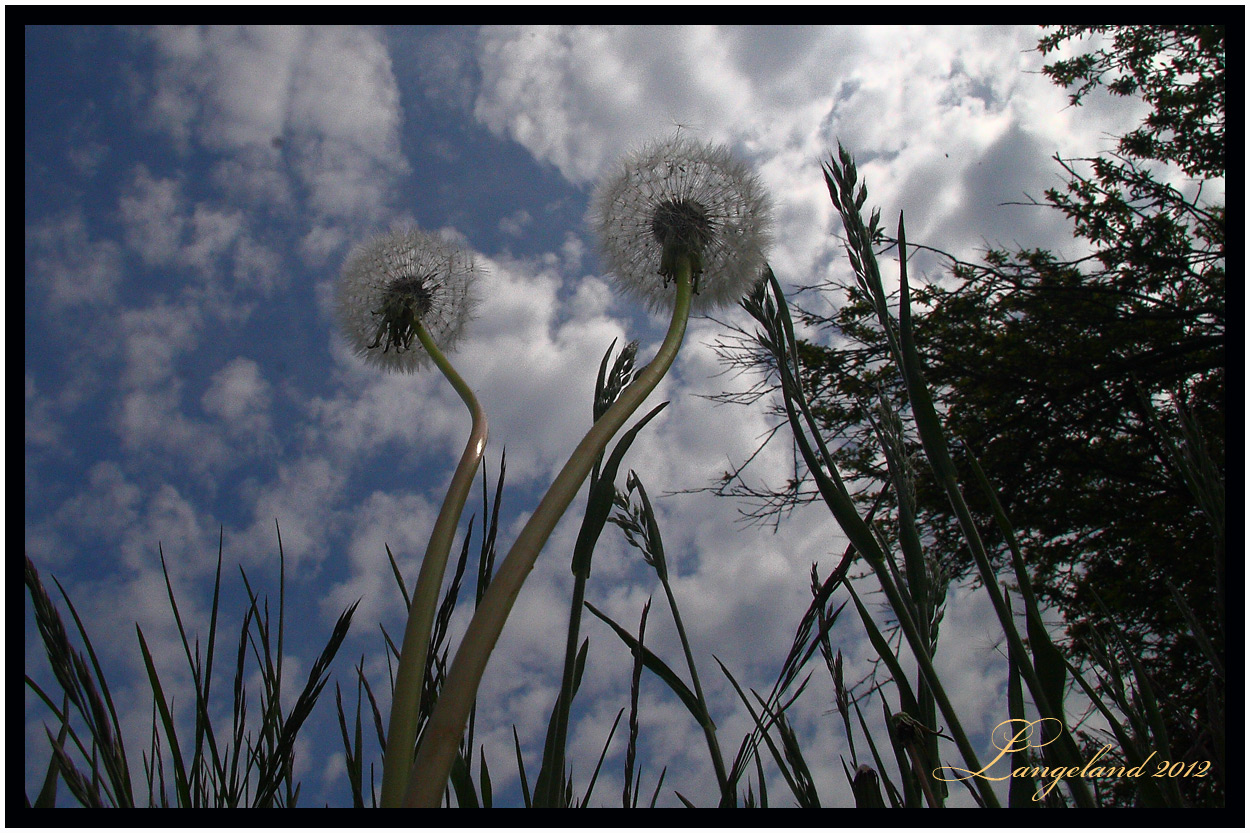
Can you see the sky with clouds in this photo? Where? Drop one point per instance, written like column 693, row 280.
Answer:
column 191, row 195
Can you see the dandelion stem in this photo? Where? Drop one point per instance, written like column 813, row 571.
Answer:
column 409, row 677
column 446, row 726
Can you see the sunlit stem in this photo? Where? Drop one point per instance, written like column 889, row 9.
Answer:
column 447, row 723
column 409, row 676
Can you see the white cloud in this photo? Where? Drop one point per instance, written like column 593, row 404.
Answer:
column 152, row 210
column 514, row 224
column 104, row 507
column 576, row 97
column 373, row 410
column 323, row 98
column 212, row 232
column 73, row 265
column 154, row 338
column 298, row 498
column 223, row 87
column 401, row 522
column 240, row 395
column 932, row 115
column 150, row 421
column 201, row 240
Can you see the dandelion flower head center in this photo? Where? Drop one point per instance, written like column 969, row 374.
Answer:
column 404, row 302
column 682, row 224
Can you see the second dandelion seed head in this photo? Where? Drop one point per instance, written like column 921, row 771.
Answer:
column 683, row 198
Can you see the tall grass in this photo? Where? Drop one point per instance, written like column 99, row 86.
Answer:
column 252, row 766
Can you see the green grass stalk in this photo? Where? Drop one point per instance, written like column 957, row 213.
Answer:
column 780, row 341
column 659, row 562
column 936, row 450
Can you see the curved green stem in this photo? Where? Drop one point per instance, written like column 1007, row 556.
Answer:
column 410, row 675
column 447, row 723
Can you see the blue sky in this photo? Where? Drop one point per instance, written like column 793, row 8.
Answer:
column 190, row 197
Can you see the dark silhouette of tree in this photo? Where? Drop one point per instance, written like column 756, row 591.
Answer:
column 1068, row 381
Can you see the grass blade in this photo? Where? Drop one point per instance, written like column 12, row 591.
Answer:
column 520, row 768
column 181, row 785
column 799, row 791
column 629, row 798
column 657, row 666
column 462, row 784
column 594, row 776
column 47, row 793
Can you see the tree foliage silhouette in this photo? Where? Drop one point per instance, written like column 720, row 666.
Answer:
column 1067, row 380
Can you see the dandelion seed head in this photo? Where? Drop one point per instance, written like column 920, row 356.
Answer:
column 397, row 279
column 681, row 195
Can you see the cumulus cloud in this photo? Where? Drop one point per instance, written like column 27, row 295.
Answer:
column 930, row 114
column 75, row 267
column 398, row 521
column 239, row 395
column 152, row 211
column 199, row 246
column 514, row 224
column 295, row 501
column 577, row 96
column 323, row 98
column 154, row 338
column 41, row 426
